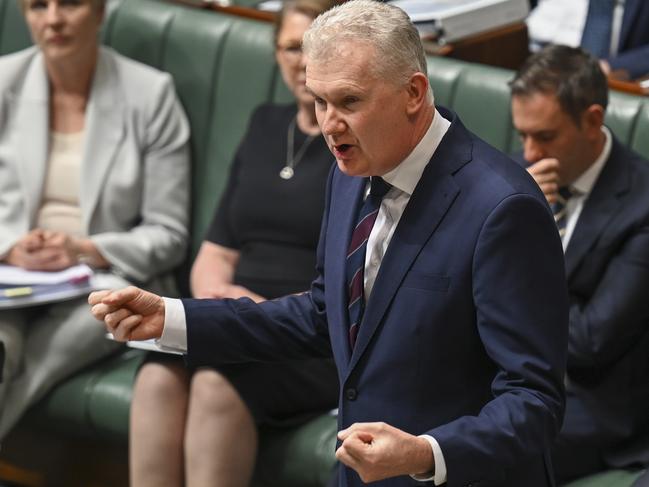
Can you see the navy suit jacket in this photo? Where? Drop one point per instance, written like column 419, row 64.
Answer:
column 633, row 53
column 464, row 336
column 607, row 268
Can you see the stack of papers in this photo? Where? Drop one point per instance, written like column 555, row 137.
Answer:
column 21, row 288
column 450, row 20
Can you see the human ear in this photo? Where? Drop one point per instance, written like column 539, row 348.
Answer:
column 417, row 89
column 593, row 118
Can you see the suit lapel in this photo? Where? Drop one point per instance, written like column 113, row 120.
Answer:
column 599, row 208
column 32, row 133
column 344, row 208
column 104, row 132
column 433, row 196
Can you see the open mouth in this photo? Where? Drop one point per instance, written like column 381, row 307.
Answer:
column 342, row 148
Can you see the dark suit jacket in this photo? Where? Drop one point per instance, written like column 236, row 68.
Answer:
column 633, row 53
column 607, row 267
column 464, row 335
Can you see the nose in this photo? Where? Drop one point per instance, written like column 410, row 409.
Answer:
column 532, row 150
column 53, row 14
column 332, row 124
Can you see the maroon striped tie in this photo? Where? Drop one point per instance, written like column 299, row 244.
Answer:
column 356, row 254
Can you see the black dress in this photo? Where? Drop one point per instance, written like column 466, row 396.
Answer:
column 274, row 224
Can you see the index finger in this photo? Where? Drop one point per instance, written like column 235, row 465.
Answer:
column 121, row 296
column 367, row 427
column 97, row 297
column 549, row 164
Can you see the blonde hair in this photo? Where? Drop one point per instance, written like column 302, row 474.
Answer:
column 98, row 4
column 310, row 8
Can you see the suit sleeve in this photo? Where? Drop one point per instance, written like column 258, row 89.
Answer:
column 604, row 326
column 522, row 319
column 634, row 61
column 159, row 241
column 237, row 331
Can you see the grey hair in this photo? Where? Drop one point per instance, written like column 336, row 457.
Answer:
column 388, row 29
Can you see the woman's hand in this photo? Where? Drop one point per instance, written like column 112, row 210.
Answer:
column 41, row 250
column 45, row 250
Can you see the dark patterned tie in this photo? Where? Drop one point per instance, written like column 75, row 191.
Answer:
column 597, row 30
column 356, row 254
column 559, row 209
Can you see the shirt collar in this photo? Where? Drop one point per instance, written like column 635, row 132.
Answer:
column 584, row 183
column 407, row 174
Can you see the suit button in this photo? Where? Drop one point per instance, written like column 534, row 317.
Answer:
column 351, row 394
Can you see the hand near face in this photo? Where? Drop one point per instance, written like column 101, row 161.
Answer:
column 546, row 174
column 378, row 451
column 130, row 313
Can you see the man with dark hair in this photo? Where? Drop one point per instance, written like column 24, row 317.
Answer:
column 598, row 191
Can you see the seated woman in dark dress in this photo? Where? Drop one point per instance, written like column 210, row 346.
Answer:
column 200, row 427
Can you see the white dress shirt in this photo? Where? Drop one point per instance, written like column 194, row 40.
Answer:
column 582, row 187
column 561, row 22
column 404, row 179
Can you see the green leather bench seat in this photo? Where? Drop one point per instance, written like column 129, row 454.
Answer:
column 223, row 68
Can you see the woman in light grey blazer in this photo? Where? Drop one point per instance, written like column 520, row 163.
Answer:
column 94, row 168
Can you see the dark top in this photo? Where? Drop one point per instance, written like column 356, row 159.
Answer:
column 274, row 223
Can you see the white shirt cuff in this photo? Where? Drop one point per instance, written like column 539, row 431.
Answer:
column 439, row 477
column 174, row 333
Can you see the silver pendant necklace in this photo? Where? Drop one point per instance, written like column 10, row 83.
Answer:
column 292, row 160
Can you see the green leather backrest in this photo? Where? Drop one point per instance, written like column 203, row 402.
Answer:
column 478, row 94
column 14, row 34
column 223, row 67
column 621, row 115
column 640, row 137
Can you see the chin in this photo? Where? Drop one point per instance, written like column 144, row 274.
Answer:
column 350, row 168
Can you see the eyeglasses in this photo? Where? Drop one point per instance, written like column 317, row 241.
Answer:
column 292, row 52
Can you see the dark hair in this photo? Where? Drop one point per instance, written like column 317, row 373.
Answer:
column 570, row 73
column 310, row 8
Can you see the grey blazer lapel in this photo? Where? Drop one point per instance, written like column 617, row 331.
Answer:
column 31, row 132
column 104, row 132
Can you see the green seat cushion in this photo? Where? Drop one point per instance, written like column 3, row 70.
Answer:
column 298, row 457
column 94, row 402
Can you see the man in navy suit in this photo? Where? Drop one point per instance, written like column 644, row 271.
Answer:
column 450, row 338
column 629, row 53
column 600, row 191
